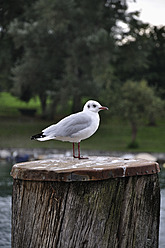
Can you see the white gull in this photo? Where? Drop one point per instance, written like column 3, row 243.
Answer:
column 75, row 127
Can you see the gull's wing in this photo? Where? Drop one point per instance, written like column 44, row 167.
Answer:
column 69, row 126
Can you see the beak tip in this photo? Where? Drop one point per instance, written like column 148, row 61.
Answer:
column 103, row 108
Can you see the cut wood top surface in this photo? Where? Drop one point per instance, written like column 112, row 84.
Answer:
column 70, row 169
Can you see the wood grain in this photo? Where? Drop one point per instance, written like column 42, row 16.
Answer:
column 112, row 213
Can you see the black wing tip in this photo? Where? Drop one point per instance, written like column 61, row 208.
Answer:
column 33, row 137
column 37, row 136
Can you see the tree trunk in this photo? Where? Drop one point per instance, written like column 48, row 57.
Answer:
column 152, row 121
column 134, row 132
column 43, row 99
column 117, row 212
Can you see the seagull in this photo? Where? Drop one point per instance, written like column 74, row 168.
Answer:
column 75, row 127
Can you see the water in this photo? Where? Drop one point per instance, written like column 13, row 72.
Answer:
column 5, row 221
column 5, row 206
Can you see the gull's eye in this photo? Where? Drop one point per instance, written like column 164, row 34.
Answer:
column 88, row 106
column 94, row 105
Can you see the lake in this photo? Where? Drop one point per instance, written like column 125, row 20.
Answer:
column 5, row 206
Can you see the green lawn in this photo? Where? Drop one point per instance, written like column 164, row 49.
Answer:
column 10, row 105
column 112, row 135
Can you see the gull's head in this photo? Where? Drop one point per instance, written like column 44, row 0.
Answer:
column 93, row 106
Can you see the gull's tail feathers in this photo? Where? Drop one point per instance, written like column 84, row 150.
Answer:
column 41, row 137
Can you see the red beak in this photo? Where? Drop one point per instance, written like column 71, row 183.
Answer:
column 103, row 108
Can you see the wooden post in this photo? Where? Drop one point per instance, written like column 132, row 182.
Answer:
column 102, row 202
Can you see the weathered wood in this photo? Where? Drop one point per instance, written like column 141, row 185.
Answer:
column 112, row 213
column 95, row 168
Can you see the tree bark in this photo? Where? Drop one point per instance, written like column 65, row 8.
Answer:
column 112, row 213
column 43, row 99
column 134, row 132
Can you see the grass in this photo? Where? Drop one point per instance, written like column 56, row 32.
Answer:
column 9, row 105
column 113, row 134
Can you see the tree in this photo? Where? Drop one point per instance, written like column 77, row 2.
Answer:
column 42, row 64
column 68, row 47
column 9, row 10
column 133, row 51
column 140, row 55
column 91, row 47
column 155, row 73
column 138, row 102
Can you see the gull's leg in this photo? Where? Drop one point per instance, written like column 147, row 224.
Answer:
column 74, row 152
column 79, row 157
column 79, row 150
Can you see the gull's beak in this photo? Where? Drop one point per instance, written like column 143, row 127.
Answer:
column 103, row 108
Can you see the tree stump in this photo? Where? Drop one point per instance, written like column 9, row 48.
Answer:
column 102, row 202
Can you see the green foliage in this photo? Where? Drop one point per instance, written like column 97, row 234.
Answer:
column 156, row 73
column 41, row 67
column 68, row 51
column 138, row 103
column 140, row 55
column 63, row 46
column 9, row 10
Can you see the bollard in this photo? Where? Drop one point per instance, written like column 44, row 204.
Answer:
column 100, row 202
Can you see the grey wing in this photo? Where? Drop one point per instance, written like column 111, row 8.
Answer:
column 69, row 125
